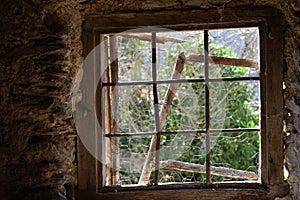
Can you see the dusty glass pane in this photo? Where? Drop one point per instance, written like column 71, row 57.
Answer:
column 134, row 57
column 188, row 42
column 237, row 104
column 187, row 108
column 135, row 109
column 234, row 52
column 182, row 150
column 232, row 105
column 235, row 151
column 133, row 153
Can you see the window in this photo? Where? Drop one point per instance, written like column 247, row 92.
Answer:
column 184, row 109
column 207, row 115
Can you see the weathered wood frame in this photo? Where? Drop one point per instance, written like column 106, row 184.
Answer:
column 90, row 179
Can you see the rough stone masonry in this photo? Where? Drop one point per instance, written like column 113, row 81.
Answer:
column 41, row 52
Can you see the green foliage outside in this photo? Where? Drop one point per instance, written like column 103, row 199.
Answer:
column 231, row 101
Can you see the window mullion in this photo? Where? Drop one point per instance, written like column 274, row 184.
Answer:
column 156, row 107
column 114, row 142
column 107, row 106
column 207, row 113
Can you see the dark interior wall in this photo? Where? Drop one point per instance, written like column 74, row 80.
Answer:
column 41, row 52
column 40, row 49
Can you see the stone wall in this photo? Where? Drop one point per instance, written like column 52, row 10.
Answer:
column 41, row 52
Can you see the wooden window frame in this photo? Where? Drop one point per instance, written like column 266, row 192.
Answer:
column 268, row 20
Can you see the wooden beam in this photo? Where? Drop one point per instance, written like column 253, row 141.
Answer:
column 119, row 22
column 224, row 61
column 219, row 171
column 107, row 108
column 186, row 194
column 87, row 164
column 114, row 142
column 275, row 104
column 147, row 37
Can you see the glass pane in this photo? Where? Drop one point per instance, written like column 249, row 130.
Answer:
column 188, row 42
column 236, row 104
column 135, row 109
column 188, row 106
column 133, row 153
column 182, row 158
column 235, row 151
column 234, row 52
column 134, row 57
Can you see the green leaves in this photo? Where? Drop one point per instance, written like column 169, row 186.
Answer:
column 232, row 100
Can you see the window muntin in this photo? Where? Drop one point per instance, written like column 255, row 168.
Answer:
column 139, row 87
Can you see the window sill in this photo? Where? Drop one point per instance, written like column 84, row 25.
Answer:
column 186, row 194
column 251, row 191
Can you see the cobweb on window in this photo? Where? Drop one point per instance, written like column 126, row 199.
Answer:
column 233, row 105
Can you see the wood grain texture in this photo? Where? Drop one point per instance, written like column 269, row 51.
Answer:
column 86, row 162
column 271, row 79
column 187, row 194
column 119, row 22
column 274, row 101
column 219, row 171
column 224, row 61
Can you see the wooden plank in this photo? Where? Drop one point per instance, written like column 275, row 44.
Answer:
column 90, row 144
column 207, row 111
column 245, row 22
column 131, row 20
column 86, row 168
column 148, row 37
column 275, row 100
column 114, row 142
column 99, row 59
column 192, row 185
column 100, row 66
column 224, row 61
column 263, row 98
column 86, row 162
column 107, row 108
column 187, row 194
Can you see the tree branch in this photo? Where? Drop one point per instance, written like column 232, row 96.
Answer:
column 225, row 61
column 219, row 171
column 170, row 94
